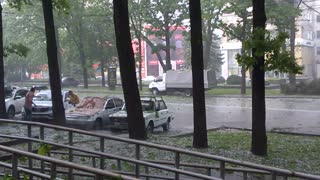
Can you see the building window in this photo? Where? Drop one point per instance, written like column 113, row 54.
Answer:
column 318, row 34
column 318, row 50
column 318, row 18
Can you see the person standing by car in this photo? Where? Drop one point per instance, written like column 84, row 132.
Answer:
column 28, row 104
column 73, row 98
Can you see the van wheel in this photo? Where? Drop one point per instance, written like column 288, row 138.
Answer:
column 155, row 91
column 11, row 112
column 188, row 92
column 150, row 127
column 98, row 124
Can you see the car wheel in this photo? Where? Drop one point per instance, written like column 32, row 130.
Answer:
column 166, row 126
column 11, row 112
column 188, row 92
column 98, row 124
column 155, row 91
column 150, row 127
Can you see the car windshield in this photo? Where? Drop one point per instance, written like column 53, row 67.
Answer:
column 146, row 106
column 42, row 97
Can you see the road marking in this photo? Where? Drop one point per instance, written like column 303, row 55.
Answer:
column 239, row 107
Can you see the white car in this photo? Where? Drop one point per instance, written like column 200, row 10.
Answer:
column 43, row 108
column 93, row 112
column 15, row 101
column 155, row 113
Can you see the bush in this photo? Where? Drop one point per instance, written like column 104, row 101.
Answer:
column 221, row 80
column 234, row 80
column 312, row 88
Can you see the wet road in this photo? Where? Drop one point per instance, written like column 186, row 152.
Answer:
column 301, row 115
column 285, row 114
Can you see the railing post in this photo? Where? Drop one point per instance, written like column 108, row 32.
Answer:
column 137, row 157
column 222, row 169
column 209, row 171
column 274, row 176
column 177, row 164
column 42, row 138
column 70, row 141
column 99, row 177
column 94, row 162
column 15, row 173
column 102, row 150
column 147, row 172
column 119, row 165
column 53, row 173
column 245, row 175
column 29, row 129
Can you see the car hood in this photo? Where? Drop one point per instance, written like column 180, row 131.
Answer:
column 43, row 103
column 82, row 111
column 124, row 114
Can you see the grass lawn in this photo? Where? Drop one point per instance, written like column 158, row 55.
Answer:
column 98, row 90
column 237, row 91
column 298, row 153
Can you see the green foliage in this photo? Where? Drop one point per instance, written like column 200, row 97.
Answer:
column 312, row 88
column 279, row 13
column 270, row 47
column 7, row 177
column 17, row 4
column 44, row 149
column 234, row 79
column 18, row 49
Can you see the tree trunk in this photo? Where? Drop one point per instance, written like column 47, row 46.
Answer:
column 103, row 79
column 157, row 53
column 200, row 139
column 59, row 48
column 3, row 112
column 82, row 56
column 292, row 77
column 259, row 137
column 243, row 80
column 208, row 41
column 140, row 61
column 136, row 123
column 167, row 48
column 54, row 72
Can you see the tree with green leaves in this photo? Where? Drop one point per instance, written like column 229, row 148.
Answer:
column 163, row 18
column 280, row 13
column 240, row 29
column 136, row 123
column 3, row 112
column 200, row 139
column 101, row 36
column 136, row 20
column 54, row 72
column 75, row 25
column 267, row 55
column 211, row 12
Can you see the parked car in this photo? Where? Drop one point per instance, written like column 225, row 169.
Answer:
column 68, row 81
column 14, row 100
column 93, row 112
column 43, row 108
column 155, row 113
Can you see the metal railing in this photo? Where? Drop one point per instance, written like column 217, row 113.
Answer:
column 54, row 163
column 177, row 163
